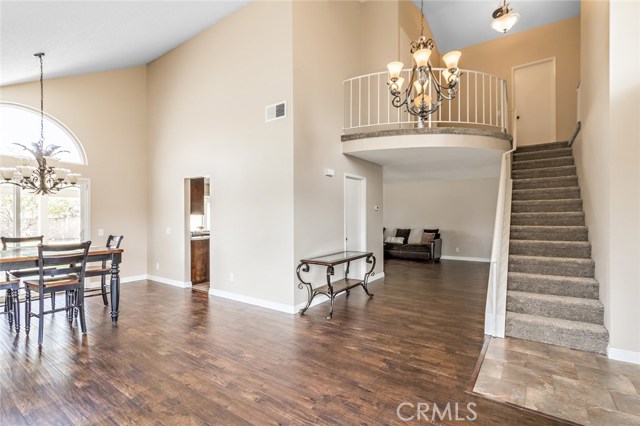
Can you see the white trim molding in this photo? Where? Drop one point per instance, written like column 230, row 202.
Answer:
column 467, row 259
column 280, row 307
column 623, row 355
column 133, row 278
column 163, row 280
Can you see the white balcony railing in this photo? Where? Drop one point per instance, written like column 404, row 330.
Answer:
column 481, row 102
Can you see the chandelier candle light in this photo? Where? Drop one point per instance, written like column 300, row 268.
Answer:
column 417, row 97
column 42, row 176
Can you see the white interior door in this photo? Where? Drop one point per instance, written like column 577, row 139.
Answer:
column 355, row 220
column 534, row 87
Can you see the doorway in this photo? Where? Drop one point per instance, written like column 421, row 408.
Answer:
column 199, row 234
column 534, row 93
column 355, row 236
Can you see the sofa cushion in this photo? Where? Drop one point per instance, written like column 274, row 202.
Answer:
column 427, row 237
column 404, row 233
column 415, row 247
column 415, row 236
column 394, row 240
column 389, row 232
column 434, row 231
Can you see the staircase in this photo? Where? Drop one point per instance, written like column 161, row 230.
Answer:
column 552, row 295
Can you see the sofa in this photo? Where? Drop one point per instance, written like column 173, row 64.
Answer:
column 417, row 244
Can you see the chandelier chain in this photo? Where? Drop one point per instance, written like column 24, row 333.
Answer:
column 421, row 18
column 40, row 55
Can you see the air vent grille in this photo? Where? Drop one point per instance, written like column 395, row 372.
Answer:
column 276, row 111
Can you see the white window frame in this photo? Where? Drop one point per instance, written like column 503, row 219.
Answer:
column 85, row 213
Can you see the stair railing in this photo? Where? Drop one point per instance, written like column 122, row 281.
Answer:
column 496, row 305
column 481, row 103
column 575, row 133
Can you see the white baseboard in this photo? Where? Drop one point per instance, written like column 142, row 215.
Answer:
column 467, row 259
column 163, row 280
column 133, row 278
column 624, row 355
column 281, row 307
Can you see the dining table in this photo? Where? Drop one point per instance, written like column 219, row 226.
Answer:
column 16, row 258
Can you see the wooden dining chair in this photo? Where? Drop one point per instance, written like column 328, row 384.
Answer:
column 8, row 242
column 60, row 268
column 102, row 270
column 11, row 242
column 11, row 301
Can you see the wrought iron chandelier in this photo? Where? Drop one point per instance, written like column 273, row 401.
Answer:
column 418, row 98
column 42, row 176
column 504, row 18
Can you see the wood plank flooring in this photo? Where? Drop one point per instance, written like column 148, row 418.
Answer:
column 183, row 357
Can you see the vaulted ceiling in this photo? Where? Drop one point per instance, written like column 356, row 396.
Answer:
column 81, row 37
column 457, row 24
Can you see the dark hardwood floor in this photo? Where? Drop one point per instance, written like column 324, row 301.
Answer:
column 183, row 357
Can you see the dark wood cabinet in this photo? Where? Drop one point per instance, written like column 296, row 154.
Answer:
column 197, row 196
column 199, row 260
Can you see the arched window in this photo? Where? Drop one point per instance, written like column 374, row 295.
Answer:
column 61, row 217
column 21, row 124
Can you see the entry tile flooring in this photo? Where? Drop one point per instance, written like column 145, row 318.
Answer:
column 582, row 387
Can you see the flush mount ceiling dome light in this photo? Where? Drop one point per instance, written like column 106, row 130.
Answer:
column 504, row 18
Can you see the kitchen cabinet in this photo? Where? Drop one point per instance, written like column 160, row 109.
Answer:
column 197, row 196
column 199, row 260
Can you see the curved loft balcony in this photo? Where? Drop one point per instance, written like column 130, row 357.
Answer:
column 474, row 123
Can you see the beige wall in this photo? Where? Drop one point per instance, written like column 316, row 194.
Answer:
column 464, row 210
column 409, row 26
column 207, row 103
column 608, row 159
column 560, row 40
column 107, row 112
column 318, row 98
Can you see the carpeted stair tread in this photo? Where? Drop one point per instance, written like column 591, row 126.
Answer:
column 587, row 288
column 549, row 233
column 543, row 153
column 543, row 146
column 548, row 218
column 572, row 334
column 532, row 206
column 564, row 193
column 546, row 182
column 566, row 266
column 546, row 172
column 543, row 163
column 570, row 249
column 554, row 306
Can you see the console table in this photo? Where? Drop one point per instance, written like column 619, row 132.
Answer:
column 332, row 289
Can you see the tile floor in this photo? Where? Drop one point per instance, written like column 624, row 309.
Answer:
column 583, row 387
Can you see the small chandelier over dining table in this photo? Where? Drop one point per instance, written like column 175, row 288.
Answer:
column 42, row 176
column 425, row 90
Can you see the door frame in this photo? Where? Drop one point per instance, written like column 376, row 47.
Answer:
column 363, row 209
column 551, row 59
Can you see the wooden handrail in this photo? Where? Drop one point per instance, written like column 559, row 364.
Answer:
column 575, row 133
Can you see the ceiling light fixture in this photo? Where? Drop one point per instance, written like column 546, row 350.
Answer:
column 42, row 176
column 418, row 97
column 504, row 18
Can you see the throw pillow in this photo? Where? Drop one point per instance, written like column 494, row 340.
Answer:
column 435, row 231
column 415, row 236
column 389, row 232
column 394, row 240
column 404, row 233
column 427, row 237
